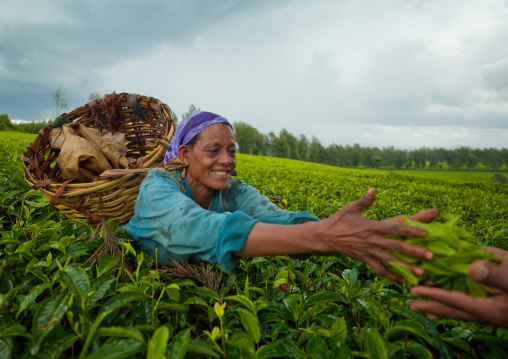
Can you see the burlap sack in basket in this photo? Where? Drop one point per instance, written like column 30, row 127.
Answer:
column 86, row 152
column 143, row 121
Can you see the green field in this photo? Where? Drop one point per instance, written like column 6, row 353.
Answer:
column 52, row 305
column 464, row 176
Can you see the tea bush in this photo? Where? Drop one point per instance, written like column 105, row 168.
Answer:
column 53, row 303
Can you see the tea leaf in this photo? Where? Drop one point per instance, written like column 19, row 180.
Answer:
column 201, row 348
column 119, row 301
column 178, row 346
column 285, row 274
column 53, row 348
column 412, row 327
column 244, row 301
column 243, row 342
column 106, row 262
column 270, row 351
column 25, row 247
column 118, row 332
column 293, row 307
column 375, row 343
column 76, row 279
column 324, row 297
column 49, row 313
column 31, row 297
column 251, row 324
column 403, row 271
column 117, row 349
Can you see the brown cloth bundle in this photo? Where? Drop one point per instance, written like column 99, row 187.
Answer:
column 86, row 152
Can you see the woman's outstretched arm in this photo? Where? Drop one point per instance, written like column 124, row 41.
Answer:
column 347, row 233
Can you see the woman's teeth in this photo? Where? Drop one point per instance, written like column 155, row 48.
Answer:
column 220, row 173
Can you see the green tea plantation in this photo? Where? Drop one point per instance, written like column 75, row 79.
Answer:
column 55, row 303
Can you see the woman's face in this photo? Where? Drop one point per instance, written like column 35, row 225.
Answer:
column 212, row 158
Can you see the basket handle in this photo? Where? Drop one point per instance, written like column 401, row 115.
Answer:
column 56, row 200
column 133, row 103
column 121, row 172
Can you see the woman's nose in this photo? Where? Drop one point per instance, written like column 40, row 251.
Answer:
column 224, row 157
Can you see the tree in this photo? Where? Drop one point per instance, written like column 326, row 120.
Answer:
column 303, row 147
column 388, row 155
column 459, row 157
column 249, row 140
column 316, row 151
column 491, row 157
column 279, row 146
column 192, row 109
column 356, row 153
column 332, row 155
column 367, row 157
column 399, row 158
column 58, row 101
column 418, row 157
column 94, row 96
column 5, row 123
column 471, row 161
column 292, row 143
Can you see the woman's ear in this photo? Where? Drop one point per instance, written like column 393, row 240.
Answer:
column 183, row 152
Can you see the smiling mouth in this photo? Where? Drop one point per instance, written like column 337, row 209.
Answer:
column 220, row 173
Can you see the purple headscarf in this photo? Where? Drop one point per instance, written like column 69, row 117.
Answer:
column 189, row 128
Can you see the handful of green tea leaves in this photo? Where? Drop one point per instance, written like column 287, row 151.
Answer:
column 454, row 251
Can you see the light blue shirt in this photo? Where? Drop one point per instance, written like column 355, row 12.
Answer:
column 169, row 221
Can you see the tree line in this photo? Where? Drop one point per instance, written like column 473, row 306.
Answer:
column 28, row 127
column 286, row 145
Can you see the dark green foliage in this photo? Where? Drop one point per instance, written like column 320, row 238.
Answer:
column 31, row 127
column 52, row 305
column 28, row 127
column 500, row 178
column 5, row 123
column 285, row 145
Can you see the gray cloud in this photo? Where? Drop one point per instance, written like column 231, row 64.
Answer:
column 44, row 45
column 496, row 76
column 309, row 67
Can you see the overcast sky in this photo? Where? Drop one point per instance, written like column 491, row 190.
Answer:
column 407, row 73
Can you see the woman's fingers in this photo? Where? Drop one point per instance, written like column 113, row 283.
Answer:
column 399, row 230
column 437, row 310
column 450, row 304
column 457, row 300
column 383, row 271
column 426, row 216
column 364, row 202
column 501, row 253
column 490, row 275
column 393, row 245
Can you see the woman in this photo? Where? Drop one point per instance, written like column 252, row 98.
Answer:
column 196, row 211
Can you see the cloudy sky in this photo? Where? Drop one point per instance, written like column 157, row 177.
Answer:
column 407, row 73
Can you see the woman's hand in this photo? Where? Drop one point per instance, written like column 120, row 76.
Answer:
column 447, row 304
column 349, row 233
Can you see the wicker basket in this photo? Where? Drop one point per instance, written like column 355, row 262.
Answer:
column 145, row 121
